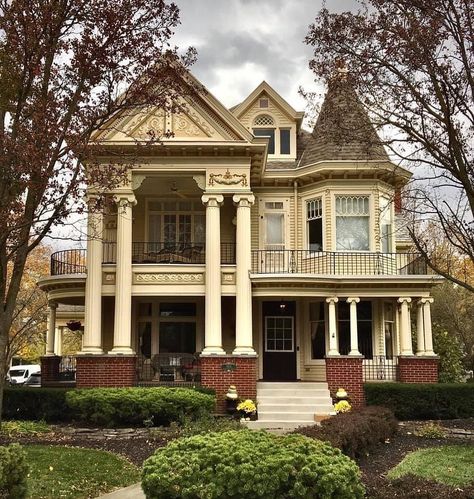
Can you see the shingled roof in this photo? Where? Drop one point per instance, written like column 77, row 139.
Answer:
column 343, row 130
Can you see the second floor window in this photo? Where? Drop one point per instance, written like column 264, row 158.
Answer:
column 314, row 222
column 352, row 223
column 263, row 124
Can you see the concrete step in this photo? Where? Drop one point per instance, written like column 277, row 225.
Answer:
column 276, row 425
column 283, row 408
column 296, row 384
column 288, row 392
column 286, row 416
column 285, row 400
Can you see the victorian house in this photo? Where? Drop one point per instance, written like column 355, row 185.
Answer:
column 247, row 251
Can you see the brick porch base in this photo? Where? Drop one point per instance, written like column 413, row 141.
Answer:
column 221, row 371
column 346, row 372
column 105, row 371
column 50, row 369
column 418, row 369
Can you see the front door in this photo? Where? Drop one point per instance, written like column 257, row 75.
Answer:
column 279, row 348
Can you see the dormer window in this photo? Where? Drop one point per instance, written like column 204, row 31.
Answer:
column 264, row 122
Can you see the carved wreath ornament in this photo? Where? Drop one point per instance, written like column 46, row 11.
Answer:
column 228, row 178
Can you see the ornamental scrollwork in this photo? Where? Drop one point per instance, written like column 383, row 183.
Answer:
column 228, row 178
column 169, row 278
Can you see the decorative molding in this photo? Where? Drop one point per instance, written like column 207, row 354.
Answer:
column 228, row 278
column 200, row 181
column 137, row 180
column 161, row 278
column 228, row 178
column 108, row 278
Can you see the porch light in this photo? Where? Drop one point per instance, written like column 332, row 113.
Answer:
column 282, row 306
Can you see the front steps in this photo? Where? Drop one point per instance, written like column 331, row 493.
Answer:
column 285, row 406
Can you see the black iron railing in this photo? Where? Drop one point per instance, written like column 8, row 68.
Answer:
column 169, row 368
column 380, row 368
column 337, row 263
column 67, row 368
column 68, row 262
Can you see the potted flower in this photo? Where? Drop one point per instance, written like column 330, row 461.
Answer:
column 342, row 406
column 247, row 410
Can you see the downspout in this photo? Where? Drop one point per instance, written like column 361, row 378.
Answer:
column 295, row 201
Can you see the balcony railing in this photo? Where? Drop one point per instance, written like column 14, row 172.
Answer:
column 337, row 263
column 74, row 261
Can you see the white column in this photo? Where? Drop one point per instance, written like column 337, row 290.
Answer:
column 58, row 341
column 333, row 343
column 213, row 320
column 405, row 327
column 123, row 276
column 353, row 316
column 420, row 329
column 243, row 298
column 50, row 334
column 427, row 325
column 92, row 340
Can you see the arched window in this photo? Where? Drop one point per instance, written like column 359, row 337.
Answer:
column 264, row 122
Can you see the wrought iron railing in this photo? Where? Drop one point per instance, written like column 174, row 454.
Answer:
column 380, row 368
column 71, row 261
column 169, row 368
column 67, row 368
column 337, row 263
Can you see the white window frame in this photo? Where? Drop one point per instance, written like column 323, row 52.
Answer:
column 370, row 215
column 263, row 210
column 306, row 220
column 292, row 330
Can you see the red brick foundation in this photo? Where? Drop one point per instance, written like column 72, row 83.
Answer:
column 346, row 372
column 50, row 369
column 105, row 371
column 219, row 372
column 418, row 369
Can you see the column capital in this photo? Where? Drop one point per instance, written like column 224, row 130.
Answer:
column 125, row 199
column 245, row 200
column 53, row 304
column 332, row 299
column 212, row 200
column 422, row 301
column 404, row 299
column 353, row 299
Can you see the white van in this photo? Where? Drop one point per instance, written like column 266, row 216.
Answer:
column 17, row 375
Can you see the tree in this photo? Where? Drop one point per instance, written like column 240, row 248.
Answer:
column 66, row 68
column 411, row 62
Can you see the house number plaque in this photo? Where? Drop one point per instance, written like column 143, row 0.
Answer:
column 229, row 367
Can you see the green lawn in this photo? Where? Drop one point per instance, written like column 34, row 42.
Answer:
column 68, row 472
column 451, row 465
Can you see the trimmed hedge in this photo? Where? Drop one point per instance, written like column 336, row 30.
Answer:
column 250, row 464
column 355, row 433
column 13, row 472
column 423, row 400
column 107, row 406
column 132, row 406
column 48, row 404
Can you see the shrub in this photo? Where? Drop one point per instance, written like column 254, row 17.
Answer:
column 133, row 406
column 430, row 430
column 13, row 472
column 250, row 464
column 355, row 433
column 48, row 404
column 20, row 428
column 423, row 400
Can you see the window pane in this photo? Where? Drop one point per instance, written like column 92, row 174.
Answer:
column 364, row 334
column 144, row 309
column 315, row 234
column 344, row 337
column 184, row 229
column 318, row 340
column 199, row 229
column 154, row 228
column 177, row 337
column 352, row 233
column 177, row 309
column 284, row 141
column 274, row 228
column 266, row 132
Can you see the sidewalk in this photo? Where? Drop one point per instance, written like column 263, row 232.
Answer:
column 131, row 492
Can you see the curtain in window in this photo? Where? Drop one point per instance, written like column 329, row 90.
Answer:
column 352, row 233
column 274, row 230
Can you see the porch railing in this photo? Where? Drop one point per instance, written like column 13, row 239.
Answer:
column 336, row 263
column 71, row 261
column 169, row 369
column 379, row 368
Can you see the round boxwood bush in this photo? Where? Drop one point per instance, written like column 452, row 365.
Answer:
column 250, row 464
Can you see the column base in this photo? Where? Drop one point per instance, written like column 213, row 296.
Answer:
column 249, row 351
column 220, row 372
column 91, row 351
column 106, row 371
column 414, row 369
column 213, row 351
column 346, row 372
column 355, row 353
column 121, row 351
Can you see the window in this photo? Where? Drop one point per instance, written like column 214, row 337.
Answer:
column 314, row 222
column 352, row 223
column 318, row 330
column 263, row 103
column 388, row 321
column 266, row 132
column 284, row 141
column 144, row 335
column 364, row 328
column 386, row 225
column 177, row 309
column 264, row 120
column 177, row 337
column 279, row 334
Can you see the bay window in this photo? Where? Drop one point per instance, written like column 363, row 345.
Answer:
column 314, row 224
column 352, row 223
column 385, row 225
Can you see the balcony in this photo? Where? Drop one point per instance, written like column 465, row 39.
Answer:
column 74, row 261
column 337, row 263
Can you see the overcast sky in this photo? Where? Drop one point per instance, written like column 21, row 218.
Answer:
column 242, row 42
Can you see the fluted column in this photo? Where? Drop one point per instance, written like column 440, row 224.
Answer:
column 427, row 325
column 354, row 333
column 333, row 343
column 243, row 298
column 213, row 319
column 420, row 329
column 50, row 335
column 92, row 341
column 405, row 327
column 123, row 279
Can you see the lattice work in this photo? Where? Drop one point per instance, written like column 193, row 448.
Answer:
column 352, row 205
column 314, row 209
column 264, row 120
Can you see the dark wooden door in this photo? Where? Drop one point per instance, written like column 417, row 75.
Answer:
column 279, row 347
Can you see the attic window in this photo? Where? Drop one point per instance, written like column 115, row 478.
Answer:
column 264, row 120
column 263, row 102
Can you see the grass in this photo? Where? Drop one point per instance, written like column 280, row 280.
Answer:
column 452, row 465
column 24, row 428
column 69, row 472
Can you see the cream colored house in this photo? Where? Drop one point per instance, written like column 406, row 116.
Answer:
column 264, row 251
